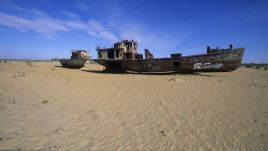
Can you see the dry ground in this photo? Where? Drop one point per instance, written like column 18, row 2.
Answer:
column 45, row 107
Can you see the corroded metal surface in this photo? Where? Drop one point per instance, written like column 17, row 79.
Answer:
column 220, row 61
column 78, row 59
column 121, row 50
column 73, row 63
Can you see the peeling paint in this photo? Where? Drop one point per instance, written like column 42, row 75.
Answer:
column 207, row 65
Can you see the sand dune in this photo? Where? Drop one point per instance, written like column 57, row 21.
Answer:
column 45, row 107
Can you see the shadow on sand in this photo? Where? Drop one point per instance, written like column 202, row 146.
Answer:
column 148, row 73
column 57, row 66
column 141, row 73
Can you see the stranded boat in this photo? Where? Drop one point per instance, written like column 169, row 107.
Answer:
column 124, row 57
column 77, row 61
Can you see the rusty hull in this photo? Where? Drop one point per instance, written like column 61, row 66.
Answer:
column 221, row 61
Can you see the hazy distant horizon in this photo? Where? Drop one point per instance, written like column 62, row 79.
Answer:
column 46, row 29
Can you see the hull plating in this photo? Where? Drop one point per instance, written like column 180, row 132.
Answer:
column 221, row 61
column 73, row 63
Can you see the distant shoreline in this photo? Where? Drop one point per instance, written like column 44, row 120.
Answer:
column 23, row 60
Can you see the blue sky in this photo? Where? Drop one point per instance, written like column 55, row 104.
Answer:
column 45, row 29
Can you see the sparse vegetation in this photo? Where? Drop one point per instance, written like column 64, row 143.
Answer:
column 54, row 59
column 11, row 101
column 249, row 65
column 172, row 79
column 255, row 66
column 91, row 62
column 29, row 63
column 21, row 74
column 5, row 61
column 44, row 102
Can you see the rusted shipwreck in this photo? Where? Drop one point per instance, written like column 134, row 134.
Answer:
column 77, row 61
column 124, row 57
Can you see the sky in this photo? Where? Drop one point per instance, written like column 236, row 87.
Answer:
column 45, row 29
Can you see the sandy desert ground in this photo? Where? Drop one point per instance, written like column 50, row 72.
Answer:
column 45, row 107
